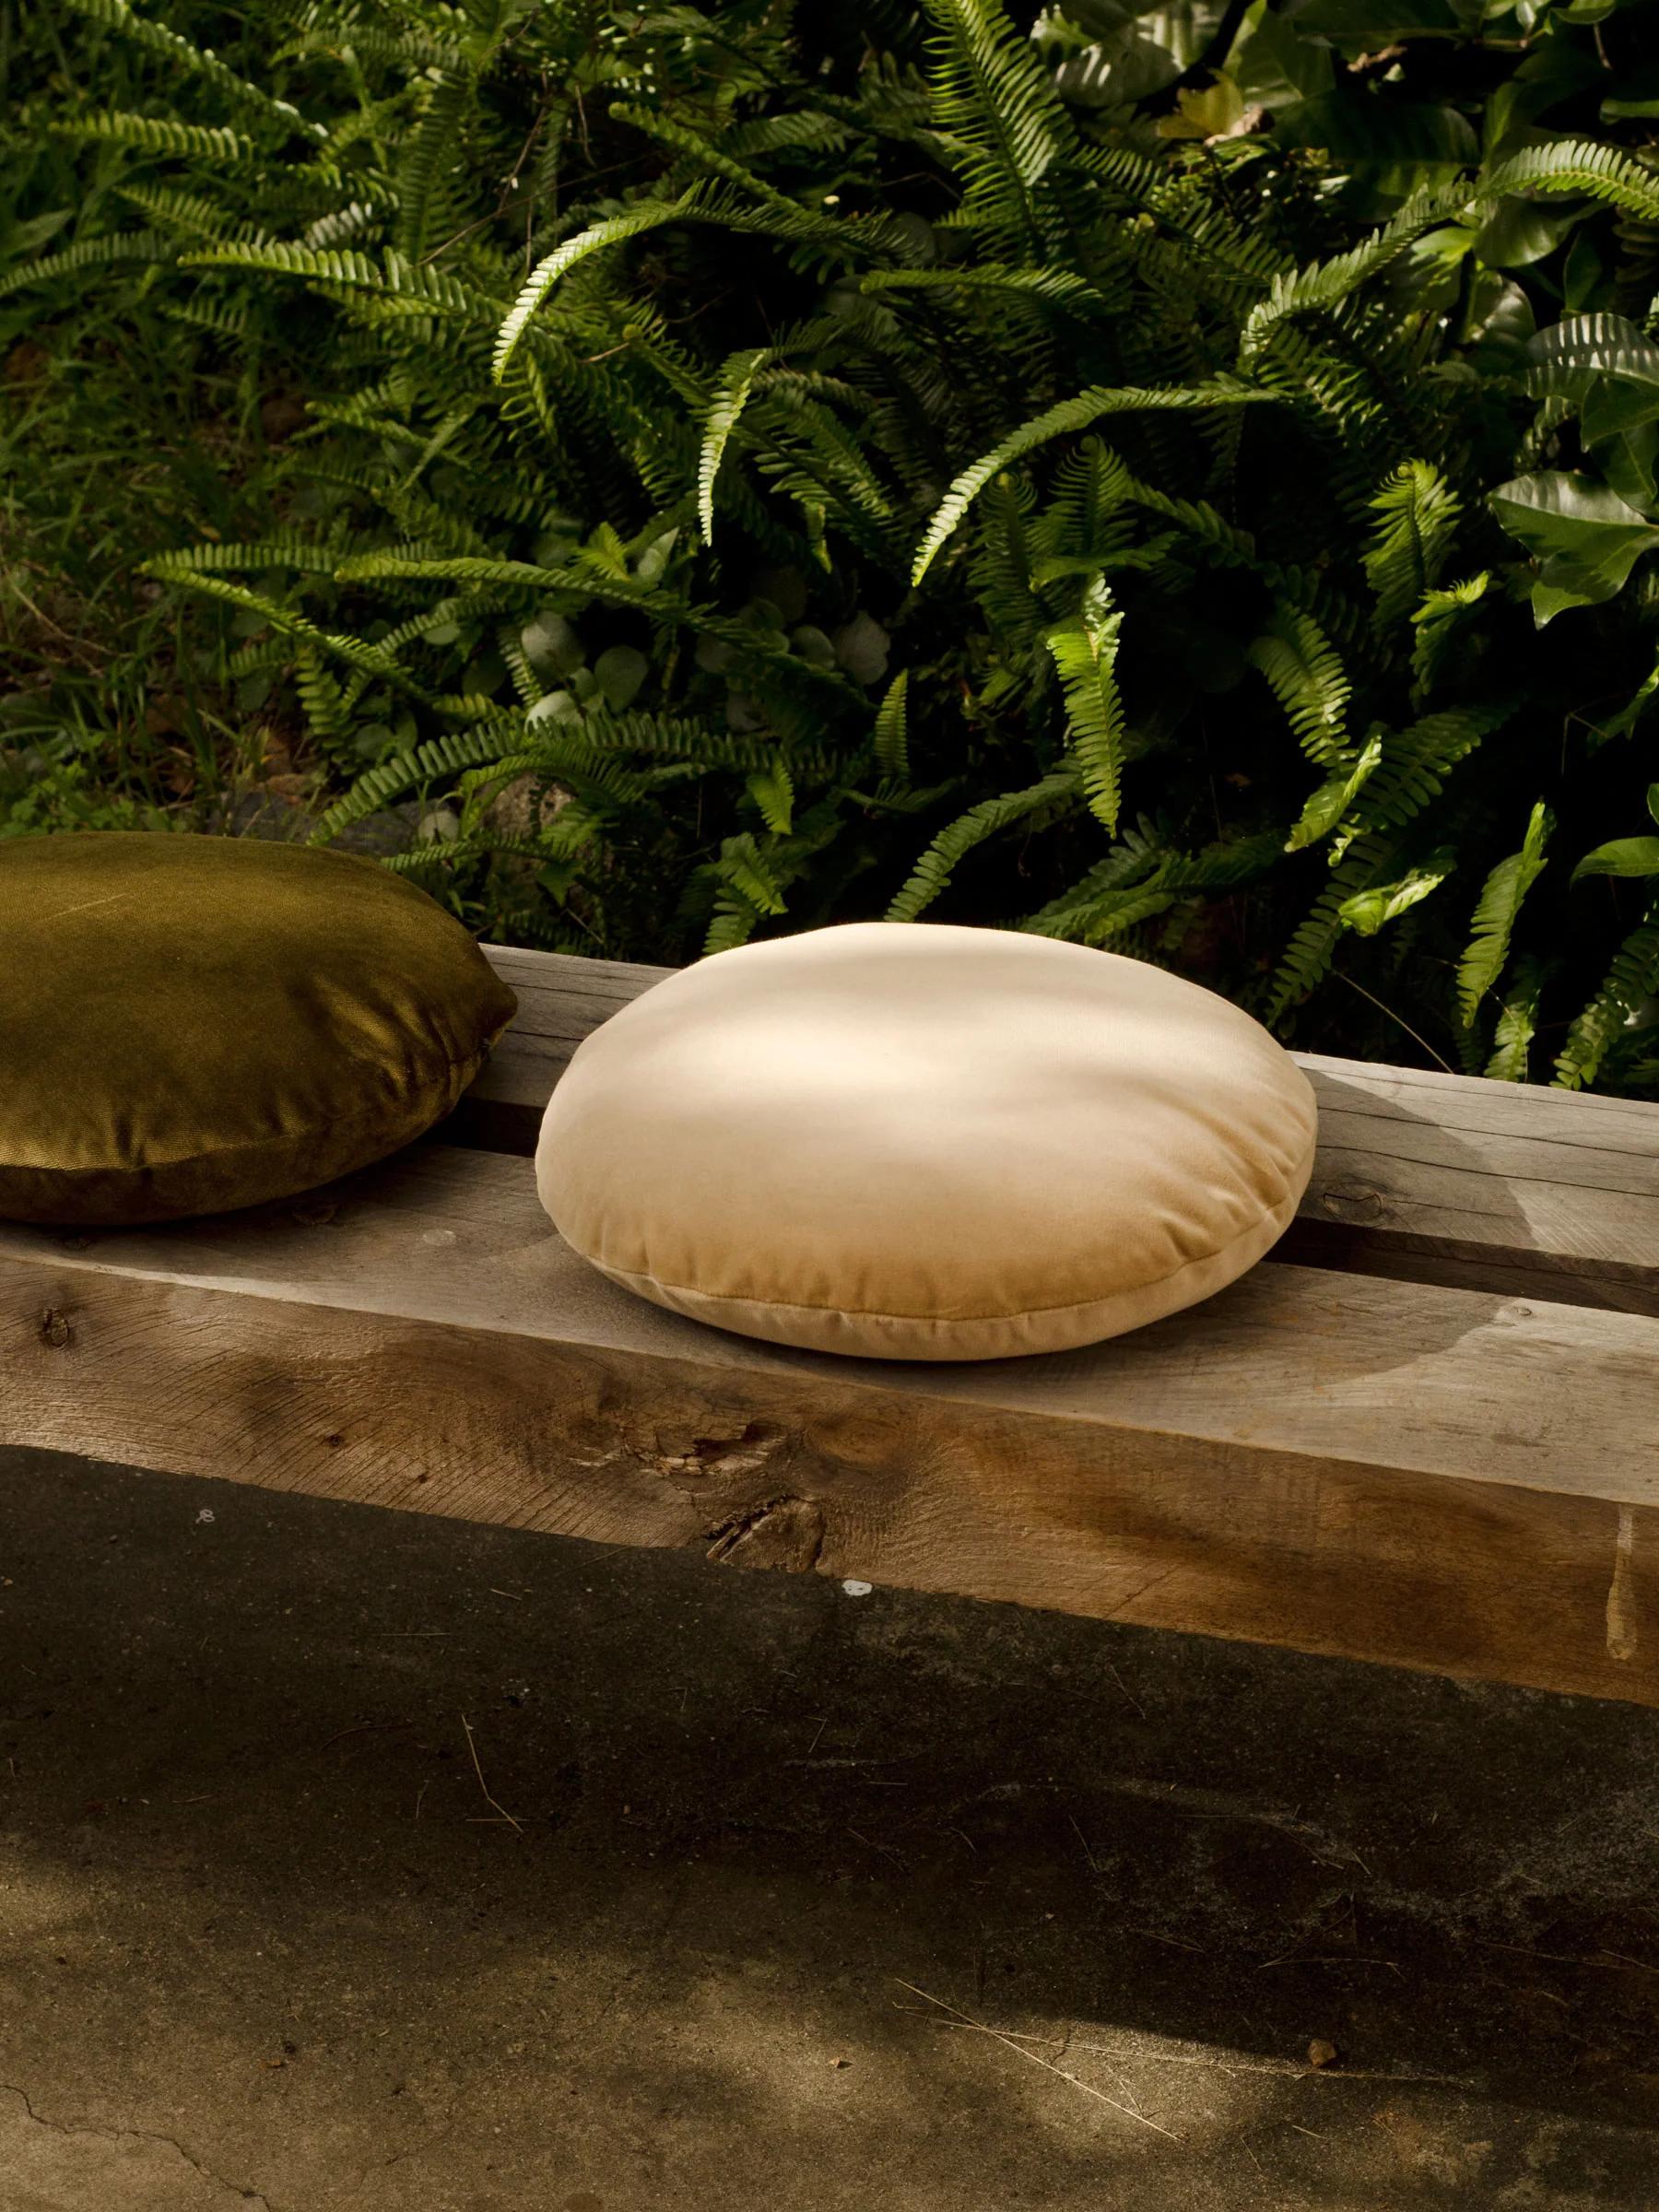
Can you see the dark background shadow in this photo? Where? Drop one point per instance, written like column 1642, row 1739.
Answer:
column 257, row 1908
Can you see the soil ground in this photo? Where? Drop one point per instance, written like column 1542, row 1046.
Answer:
column 805, row 1899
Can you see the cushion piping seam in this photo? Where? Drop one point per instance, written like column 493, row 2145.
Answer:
column 1293, row 1192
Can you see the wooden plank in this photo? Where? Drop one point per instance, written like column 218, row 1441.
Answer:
column 1424, row 1177
column 1496, row 1186
column 1431, row 1477
column 560, row 1000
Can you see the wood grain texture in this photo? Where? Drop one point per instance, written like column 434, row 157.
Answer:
column 1432, row 1477
column 1499, row 1186
column 1423, row 1177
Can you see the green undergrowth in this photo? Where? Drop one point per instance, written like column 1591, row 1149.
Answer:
column 1182, row 481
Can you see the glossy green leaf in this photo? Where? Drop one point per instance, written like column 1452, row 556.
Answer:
column 1622, row 856
column 1585, row 539
column 1522, row 232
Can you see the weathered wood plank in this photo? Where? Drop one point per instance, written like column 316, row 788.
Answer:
column 1488, row 1185
column 1429, row 1178
column 1431, row 1478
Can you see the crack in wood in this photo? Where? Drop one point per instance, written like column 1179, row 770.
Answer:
column 787, row 1533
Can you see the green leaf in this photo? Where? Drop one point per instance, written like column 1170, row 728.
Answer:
column 619, row 672
column 1276, row 66
column 1615, row 405
column 1365, row 912
column 1636, row 96
column 1393, row 144
column 1520, row 231
column 1373, row 24
column 1618, row 420
column 1622, row 856
column 1585, row 537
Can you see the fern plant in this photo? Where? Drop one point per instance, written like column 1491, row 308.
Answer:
column 770, row 471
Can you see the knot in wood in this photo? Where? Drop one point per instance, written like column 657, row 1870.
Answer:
column 1358, row 1206
column 54, row 1326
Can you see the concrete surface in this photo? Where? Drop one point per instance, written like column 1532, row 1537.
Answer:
column 781, row 1860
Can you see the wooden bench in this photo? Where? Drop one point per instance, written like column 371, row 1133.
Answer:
column 1426, row 1431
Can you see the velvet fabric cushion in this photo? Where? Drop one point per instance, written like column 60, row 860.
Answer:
column 918, row 1142
column 189, row 1024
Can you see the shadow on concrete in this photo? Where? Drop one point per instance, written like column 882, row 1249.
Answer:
column 261, row 1912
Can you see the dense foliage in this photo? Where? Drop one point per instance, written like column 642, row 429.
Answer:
column 1177, row 480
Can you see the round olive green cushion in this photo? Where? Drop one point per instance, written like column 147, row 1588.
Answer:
column 189, row 1024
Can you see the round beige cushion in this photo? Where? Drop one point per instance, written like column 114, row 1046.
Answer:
column 915, row 1142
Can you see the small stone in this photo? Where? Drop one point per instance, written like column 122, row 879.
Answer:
column 841, row 2062
column 1321, row 2053
column 861, row 647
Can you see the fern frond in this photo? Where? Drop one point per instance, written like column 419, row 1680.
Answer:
column 188, row 57
column 1439, row 621
column 1310, row 683
column 1307, row 959
column 89, row 253
column 1061, row 286
column 732, row 389
column 1517, row 1023
column 286, row 260
column 1365, row 912
column 677, row 136
column 1060, row 422
column 1008, row 126
column 1416, row 761
column 1630, row 981
column 158, row 134
column 772, row 790
column 614, row 231
column 319, row 695
column 892, row 730
column 1324, row 285
column 421, row 764
column 307, row 555
column 1569, row 165
column 1495, row 914
column 1417, row 513
column 350, row 650
column 430, row 145
column 1085, row 648
column 933, row 872
column 1336, row 796
column 189, row 211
